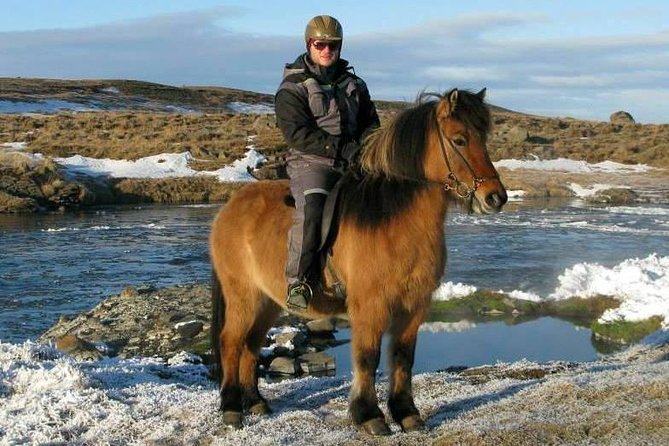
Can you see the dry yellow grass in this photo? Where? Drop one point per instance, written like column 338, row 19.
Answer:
column 606, row 415
column 217, row 139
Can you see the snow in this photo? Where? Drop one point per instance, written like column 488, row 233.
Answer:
column 450, row 290
column 49, row 106
column 13, row 146
column 251, row 109
column 48, row 397
column 573, row 166
column 592, row 190
column 642, row 286
column 166, row 165
column 46, row 106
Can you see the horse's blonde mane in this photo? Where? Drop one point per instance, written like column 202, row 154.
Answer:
column 396, row 150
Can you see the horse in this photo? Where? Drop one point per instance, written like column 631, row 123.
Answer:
column 389, row 252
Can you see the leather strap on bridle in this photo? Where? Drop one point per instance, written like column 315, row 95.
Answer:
column 461, row 189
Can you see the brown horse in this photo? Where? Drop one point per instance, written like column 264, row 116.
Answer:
column 389, row 252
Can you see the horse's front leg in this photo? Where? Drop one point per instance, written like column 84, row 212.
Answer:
column 404, row 330
column 363, row 404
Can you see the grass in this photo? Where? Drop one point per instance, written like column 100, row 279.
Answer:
column 624, row 332
column 638, row 413
column 216, row 138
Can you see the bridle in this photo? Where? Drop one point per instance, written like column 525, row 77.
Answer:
column 461, row 188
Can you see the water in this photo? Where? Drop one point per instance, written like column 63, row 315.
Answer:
column 540, row 340
column 64, row 264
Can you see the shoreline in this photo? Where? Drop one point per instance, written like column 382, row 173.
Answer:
column 621, row 399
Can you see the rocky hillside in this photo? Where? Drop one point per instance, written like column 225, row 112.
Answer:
column 123, row 119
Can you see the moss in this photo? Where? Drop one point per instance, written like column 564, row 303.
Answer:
column 625, row 332
column 483, row 302
column 201, row 347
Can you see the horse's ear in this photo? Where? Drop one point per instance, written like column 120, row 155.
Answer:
column 481, row 94
column 447, row 106
column 453, row 99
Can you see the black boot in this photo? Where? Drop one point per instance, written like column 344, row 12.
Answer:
column 299, row 295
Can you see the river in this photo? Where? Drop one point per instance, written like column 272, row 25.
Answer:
column 66, row 263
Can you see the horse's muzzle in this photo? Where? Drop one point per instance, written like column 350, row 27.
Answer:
column 491, row 203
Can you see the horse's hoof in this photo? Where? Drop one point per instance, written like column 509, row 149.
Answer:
column 260, row 409
column 412, row 423
column 376, row 427
column 233, row 419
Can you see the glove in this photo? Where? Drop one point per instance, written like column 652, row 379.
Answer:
column 350, row 152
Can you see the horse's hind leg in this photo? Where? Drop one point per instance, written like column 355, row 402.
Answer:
column 403, row 331
column 252, row 401
column 241, row 302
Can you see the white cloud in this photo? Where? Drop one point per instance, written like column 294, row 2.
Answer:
column 467, row 51
column 468, row 74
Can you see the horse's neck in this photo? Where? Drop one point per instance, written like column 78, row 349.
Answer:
column 428, row 211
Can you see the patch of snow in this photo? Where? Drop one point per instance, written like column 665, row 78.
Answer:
column 641, row 284
column 515, row 195
column 450, row 290
column 166, row 165
column 251, row 109
column 523, row 295
column 111, row 90
column 589, row 191
column 574, row 166
column 46, row 106
column 14, row 146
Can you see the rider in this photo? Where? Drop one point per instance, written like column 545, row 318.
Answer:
column 324, row 112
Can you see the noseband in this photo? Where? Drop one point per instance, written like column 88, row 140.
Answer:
column 461, row 188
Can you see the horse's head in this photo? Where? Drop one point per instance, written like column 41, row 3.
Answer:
column 442, row 142
column 456, row 153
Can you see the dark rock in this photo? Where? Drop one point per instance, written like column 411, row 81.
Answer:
column 189, row 329
column 621, row 117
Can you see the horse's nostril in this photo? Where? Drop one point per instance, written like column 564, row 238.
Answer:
column 494, row 200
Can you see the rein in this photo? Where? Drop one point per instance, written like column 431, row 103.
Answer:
column 461, row 188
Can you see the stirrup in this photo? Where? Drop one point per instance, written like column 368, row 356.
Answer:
column 299, row 295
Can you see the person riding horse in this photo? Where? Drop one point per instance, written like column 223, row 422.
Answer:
column 324, row 112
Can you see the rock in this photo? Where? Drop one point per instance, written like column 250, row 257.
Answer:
column 284, row 366
column 316, row 362
column 517, row 135
column 78, row 348
column 289, row 339
column 189, row 329
column 263, row 122
column 621, row 117
column 321, row 326
column 614, row 196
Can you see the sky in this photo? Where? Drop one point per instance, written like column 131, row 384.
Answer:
column 567, row 58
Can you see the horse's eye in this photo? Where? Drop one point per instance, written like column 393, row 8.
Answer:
column 460, row 141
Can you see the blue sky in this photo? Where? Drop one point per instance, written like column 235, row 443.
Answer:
column 557, row 58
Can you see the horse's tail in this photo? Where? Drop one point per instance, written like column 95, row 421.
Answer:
column 217, row 323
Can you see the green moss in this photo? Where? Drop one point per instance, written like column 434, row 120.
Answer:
column 590, row 308
column 625, row 332
column 201, row 347
column 483, row 302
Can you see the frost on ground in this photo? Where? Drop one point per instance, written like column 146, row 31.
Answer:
column 48, row 397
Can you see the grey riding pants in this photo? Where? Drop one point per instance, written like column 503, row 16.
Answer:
column 312, row 177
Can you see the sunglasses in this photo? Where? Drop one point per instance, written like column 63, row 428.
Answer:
column 320, row 46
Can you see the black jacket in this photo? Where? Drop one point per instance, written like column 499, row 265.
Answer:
column 320, row 112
